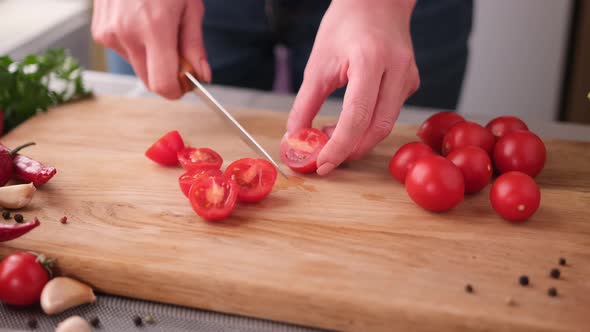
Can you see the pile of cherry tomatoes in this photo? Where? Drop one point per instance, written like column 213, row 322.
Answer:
column 457, row 157
column 212, row 193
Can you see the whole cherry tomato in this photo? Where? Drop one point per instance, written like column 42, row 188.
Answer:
column 521, row 151
column 476, row 166
column 405, row 157
column 468, row 133
column 22, row 278
column 433, row 130
column 503, row 125
column 515, row 196
column 435, row 183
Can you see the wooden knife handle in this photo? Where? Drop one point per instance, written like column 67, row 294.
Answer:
column 184, row 67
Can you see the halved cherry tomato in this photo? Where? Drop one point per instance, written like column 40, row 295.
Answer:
column 256, row 178
column 433, row 130
column 213, row 198
column 405, row 157
column 187, row 179
column 300, row 149
column 515, row 196
column 476, row 166
column 165, row 150
column 521, row 151
column 503, row 125
column 329, row 130
column 435, row 183
column 468, row 133
column 199, row 158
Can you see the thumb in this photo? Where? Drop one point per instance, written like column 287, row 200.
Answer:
column 192, row 47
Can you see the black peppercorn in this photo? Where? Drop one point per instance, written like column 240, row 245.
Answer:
column 137, row 321
column 562, row 261
column 555, row 273
column 523, row 280
column 552, row 292
column 469, row 288
column 95, row 322
column 18, row 218
column 32, row 323
column 6, row 215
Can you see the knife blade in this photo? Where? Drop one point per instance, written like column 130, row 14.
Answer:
column 231, row 122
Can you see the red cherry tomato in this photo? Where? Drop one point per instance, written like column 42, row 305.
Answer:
column 193, row 159
column 329, row 130
column 405, row 157
column 22, row 279
column 187, row 179
column 256, row 178
column 521, row 151
column 468, row 133
column 300, row 149
column 213, row 198
column 503, row 125
column 515, row 196
column 433, row 130
column 476, row 166
column 164, row 151
column 435, row 183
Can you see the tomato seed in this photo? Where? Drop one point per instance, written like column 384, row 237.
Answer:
column 6, row 215
column 32, row 323
column 137, row 321
column 552, row 292
column 562, row 261
column 95, row 322
column 555, row 273
column 18, row 218
column 469, row 288
column 523, row 280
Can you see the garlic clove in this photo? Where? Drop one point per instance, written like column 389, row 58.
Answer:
column 74, row 324
column 16, row 196
column 62, row 293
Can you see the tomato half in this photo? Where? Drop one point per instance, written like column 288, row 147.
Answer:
column 22, row 279
column 503, row 125
column 476, row 166
column 435, row 183
column 521, row 151
column 256, row 178
column 199, row 158
column 468, row 133
column 405, row 157
column 187, row 179
column 164, row 151
column 515, row 196
column 300, row 149
column 433, row 130
column 213, row 198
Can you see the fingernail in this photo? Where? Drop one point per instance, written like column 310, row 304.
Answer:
column 325, row 169
column 206, row 71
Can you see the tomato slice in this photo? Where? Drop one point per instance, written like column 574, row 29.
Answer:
column 213, row 198
column 256, row 178
column 300, row 149
column 165, row 150
column 187, row 179
column 199, row 158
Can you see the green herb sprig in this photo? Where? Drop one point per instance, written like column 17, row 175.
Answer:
column 37, row 83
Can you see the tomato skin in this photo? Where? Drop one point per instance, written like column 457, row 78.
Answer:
column 405, row 157
column 164, row 151
column 22, row 279
column 435, row 183
column 468, row 133
column 187, row 179
column 433, row 130
column 193, row 159
column 220, row 187
column 300, row 149
column 521, row 151
column 515, row 196
column 503, row 125
column 476, row 166
column 255, row 177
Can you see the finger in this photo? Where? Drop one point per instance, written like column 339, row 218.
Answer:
column 192, row 47
column 162, row 62
column 137, row 58
column 359, row 102
column 388, row 106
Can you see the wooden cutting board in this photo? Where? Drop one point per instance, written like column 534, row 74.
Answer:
column 349, row 251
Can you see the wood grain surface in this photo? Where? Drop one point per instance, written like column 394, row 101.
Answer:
column 349, row 251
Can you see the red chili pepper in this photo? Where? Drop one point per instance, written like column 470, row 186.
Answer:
column 29, row 170
column 7, row 162
column 11, row 232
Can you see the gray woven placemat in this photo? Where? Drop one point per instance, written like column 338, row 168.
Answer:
column 116, row 314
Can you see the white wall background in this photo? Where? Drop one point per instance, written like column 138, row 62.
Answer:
column 517, row 58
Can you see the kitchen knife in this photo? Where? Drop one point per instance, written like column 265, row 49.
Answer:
column 231, row 122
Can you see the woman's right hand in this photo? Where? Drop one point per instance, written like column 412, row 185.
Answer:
column 152, row 35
